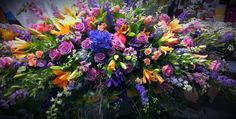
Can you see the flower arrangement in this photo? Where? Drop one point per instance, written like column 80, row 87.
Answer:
column 103, row 55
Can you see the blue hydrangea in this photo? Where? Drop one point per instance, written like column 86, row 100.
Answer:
column 100, row 41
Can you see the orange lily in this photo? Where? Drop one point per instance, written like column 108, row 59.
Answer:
column 62, row 79
column 123, row 29
column 151, row 76
column 174, row 25
column 63, row 29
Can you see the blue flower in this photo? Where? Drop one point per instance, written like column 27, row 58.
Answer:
column 142, row 93
column 100, row 41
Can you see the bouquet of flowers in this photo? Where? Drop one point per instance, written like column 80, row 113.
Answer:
column 102, row 55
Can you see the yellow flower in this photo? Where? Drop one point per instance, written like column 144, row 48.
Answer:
column 174, row 25
column 19, row 44
column 166, row 49
column 168, row 37
column 62, row 29
column 151, row 76
column 62, row 79
column 7, row 34
column 112, row 65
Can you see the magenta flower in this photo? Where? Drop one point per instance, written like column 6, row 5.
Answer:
column 99, row 57
column 94, row 12
column 142, row 38
column 54, row 55
column 118, row 45
column 5, row 62
column 167, row 70
column 79, row 26
column 91, row 74
column 164, row 17
column 187, row 42
column 215, row 65
column 85, row 44
column 65, row 47
column 119, row 23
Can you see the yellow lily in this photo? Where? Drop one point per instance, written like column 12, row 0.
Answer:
column 174, row 25
column 62, row 29
column 166, row 49
column 19, row 44
column 111, row 66
column 168, row 37
column 151, row 76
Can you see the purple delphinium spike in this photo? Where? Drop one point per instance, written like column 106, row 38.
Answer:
column 183, row 16
column 17, row 95
column 143, row 94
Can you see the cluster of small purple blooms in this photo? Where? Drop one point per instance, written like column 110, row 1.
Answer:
column 13, row 98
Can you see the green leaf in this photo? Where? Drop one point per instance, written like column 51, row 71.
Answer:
column 55, row 67
column 19, row 75
column 21, row 69
column 118, row 15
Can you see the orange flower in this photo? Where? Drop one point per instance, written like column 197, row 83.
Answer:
column 90, row 20
column 62, row 79
column 62, row 29
column 102, row 27
column 39, row 54
column 32, row 61
column 123, row 29
column 151, row 76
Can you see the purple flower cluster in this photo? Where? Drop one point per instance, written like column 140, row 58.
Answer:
column 5, row 62
column 100, row 41
column 225, row 81
column 143, row 93
column 17, row 95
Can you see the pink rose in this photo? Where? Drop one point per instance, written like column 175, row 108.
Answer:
column 120, row 37
column 167, row 70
